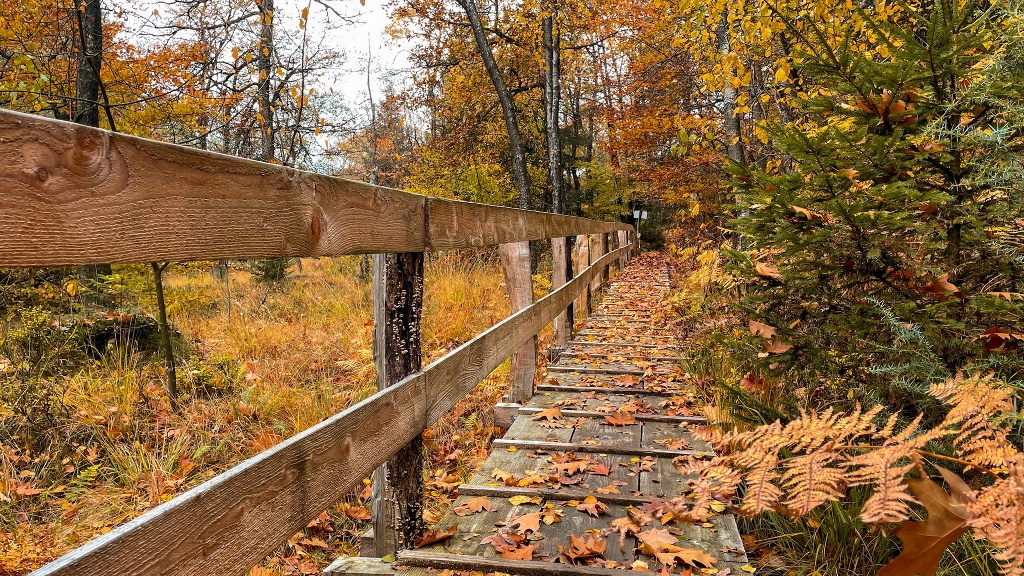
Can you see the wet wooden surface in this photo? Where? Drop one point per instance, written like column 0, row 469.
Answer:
column 608, row 422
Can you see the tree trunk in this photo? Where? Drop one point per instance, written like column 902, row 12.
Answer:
column 165, row 334
column 552, row 107
column 264, row 64
column 515, row 259
column 86, row 110
column 508, row 112
column 730, row 121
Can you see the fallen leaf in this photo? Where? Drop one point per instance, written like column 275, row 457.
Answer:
column 522, row 553
column 526, row 523
column 433, row 535
column 521, row 499
column 600, row 469
column 942, row 288
column 473, row 506
column 620, row 418
column 759, row 329
column 592, row 506
column 582, row 548
column 550, row 414
column 925, row 542
column 498, row 474
column 776, row 347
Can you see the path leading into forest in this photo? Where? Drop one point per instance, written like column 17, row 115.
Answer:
column 583, row 481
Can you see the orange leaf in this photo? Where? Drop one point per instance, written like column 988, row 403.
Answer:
column 526, row 522
column 759, row 329
column 551, row 414
column 582, row 548
column 941, row 287
column 767, row 271
column 524, row 553
column 925, row 542
column 591, row 506
column 620, row 418
column 776, row 347
column 478, row 504
column 433, row 535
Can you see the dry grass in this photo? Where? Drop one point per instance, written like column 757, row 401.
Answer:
column 290, row 356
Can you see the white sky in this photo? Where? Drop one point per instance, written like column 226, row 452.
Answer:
column 365, row 36
column 356, row 41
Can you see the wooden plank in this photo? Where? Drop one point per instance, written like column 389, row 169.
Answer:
column 522, row 463
column 71, row 194
column 624, row 383
column 561, row 271
column 592, row 431
column 559, row 388
column 484, row 564
column 655, row 431
column 573, row 353
column 590, row 448
column 229, row 523
column 526, row 429
column 604, row 401
column 454, row 224
column 644, row 417
column 623, row 344
column 513, row 462
column 455, row 375
column 664, row 481
column 581, row 259
column 550, row 494
column 588, row 370
column 397, row 317
column 356, row 566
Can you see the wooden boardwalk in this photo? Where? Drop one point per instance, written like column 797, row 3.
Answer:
column 587, row 455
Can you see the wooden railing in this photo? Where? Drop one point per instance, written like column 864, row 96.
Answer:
column 76, row 195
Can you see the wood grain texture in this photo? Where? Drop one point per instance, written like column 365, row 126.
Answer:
column 456, row 224
column 515, row 261
column 549, row 494
column 230, row 523
column 485, row 564
column 590, row 448
column 71, row 194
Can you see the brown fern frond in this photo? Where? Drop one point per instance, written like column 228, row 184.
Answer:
column 883, row 469
column 810, row 480
column 762, row 492
column 998, row 516
column 974, row 403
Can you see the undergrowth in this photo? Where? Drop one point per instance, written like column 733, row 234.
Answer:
column 89, row 440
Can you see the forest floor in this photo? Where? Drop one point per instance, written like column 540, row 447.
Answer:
column 89, row 443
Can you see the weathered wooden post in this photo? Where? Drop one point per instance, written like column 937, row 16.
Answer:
column 623, row 241
column 397, row 311
column 582, row 256
column 520, row 292
column 602, row 249
column 561, row 271
column 599, row 247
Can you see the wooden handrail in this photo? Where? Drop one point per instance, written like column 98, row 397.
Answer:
column 71, row 194
column 229, row 523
